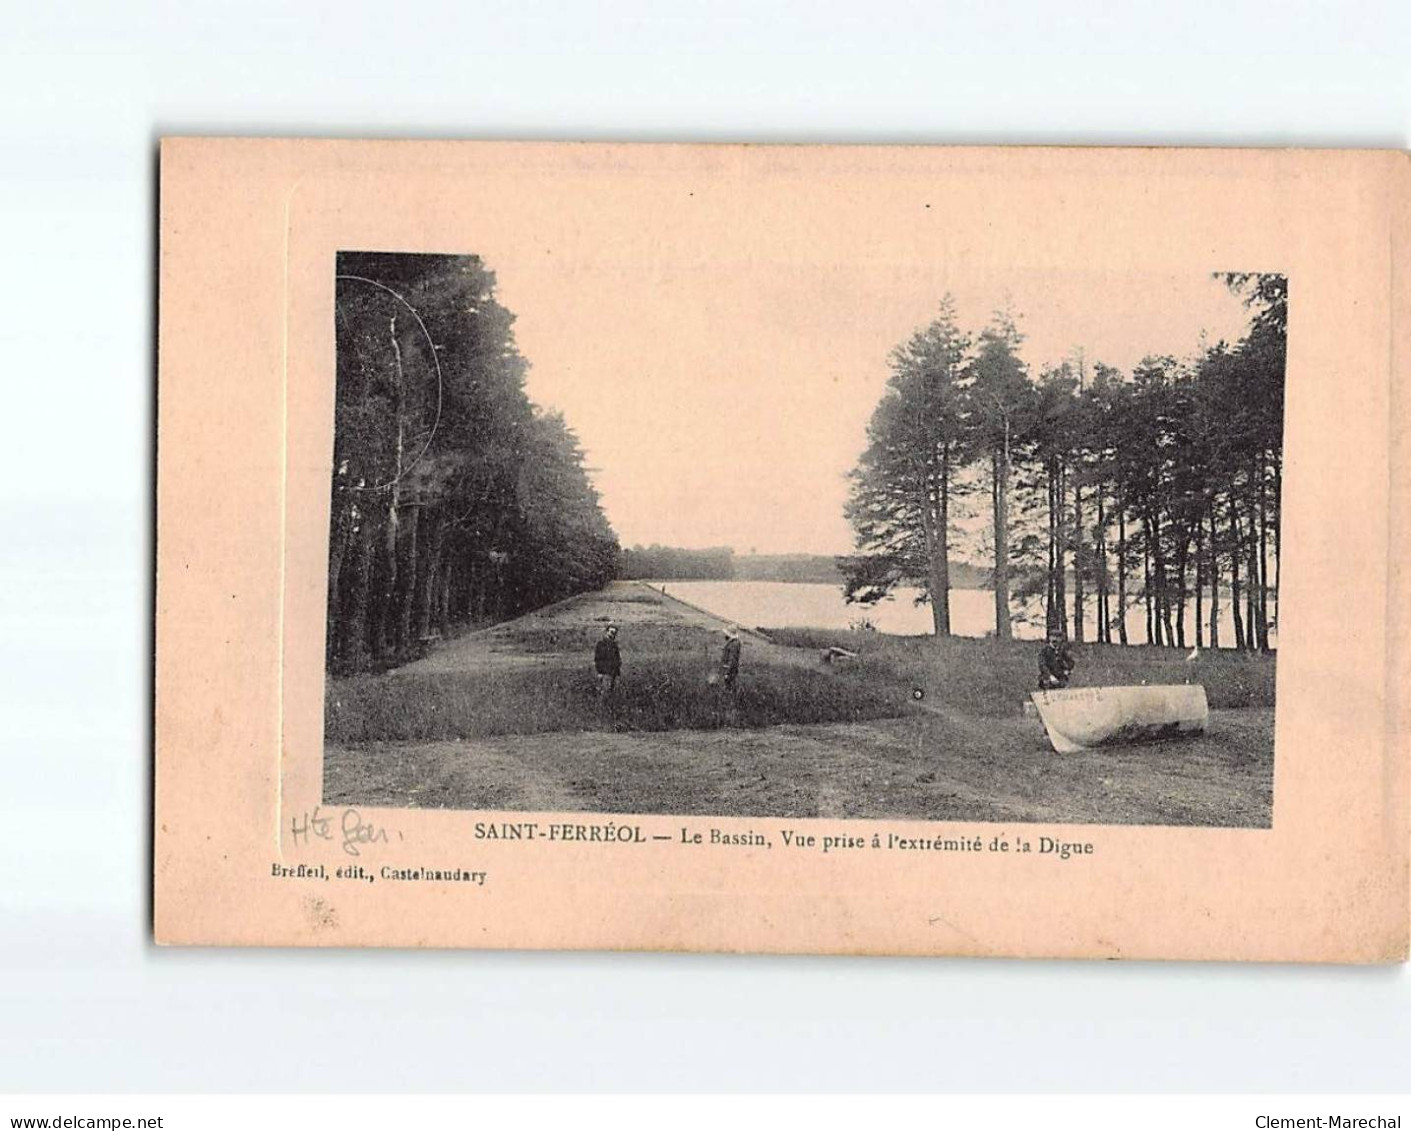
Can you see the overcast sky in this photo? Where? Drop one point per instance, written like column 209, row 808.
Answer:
column 722, row 396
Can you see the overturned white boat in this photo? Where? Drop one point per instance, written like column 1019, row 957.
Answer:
column 1078, row 718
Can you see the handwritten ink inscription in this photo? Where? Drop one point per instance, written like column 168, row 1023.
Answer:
column 350, row 829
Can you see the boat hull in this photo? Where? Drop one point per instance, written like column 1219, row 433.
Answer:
column 1080, row 718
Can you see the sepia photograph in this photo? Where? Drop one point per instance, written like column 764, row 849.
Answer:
column 782, row 549
column 645, row 526
column 740, row 551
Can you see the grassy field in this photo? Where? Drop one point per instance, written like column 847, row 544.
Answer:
column 990, row 678
column 509, row 718
column 659, row 691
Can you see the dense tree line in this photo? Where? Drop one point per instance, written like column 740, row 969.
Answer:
column 672, row 563
column 453, row 498
column 1157, row 489
column 824, row 569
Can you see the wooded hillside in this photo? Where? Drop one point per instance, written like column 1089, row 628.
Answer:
column 675, row 563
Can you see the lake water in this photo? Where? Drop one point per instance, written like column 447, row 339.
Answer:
column 786, row 604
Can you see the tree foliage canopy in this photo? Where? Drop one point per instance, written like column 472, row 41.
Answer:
column 453, row 498
column 1153, row 488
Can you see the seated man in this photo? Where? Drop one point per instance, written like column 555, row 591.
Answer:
column 1055, row 662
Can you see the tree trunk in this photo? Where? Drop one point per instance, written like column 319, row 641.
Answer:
column 447, row 574
column 1182, row 562
column 387, row 604
column 1056, row 610
column 943, row 541
column 1104, row 622
column 391, row 607
column 357, row 628
column 1251, row 589
column 380, row 601
column 476, row 589
column 1251, row 604
column 1163, row 590
column 1214, row 581
column 1278, row 527
column 410, row 570
column 429, row 580
column 1147, row 592
column 337, row 547
column 1263, row 559
column 1079, row 560
column 1050, row 583
column 934, row 522
column 1236, row 549
column 1199, row 583
column 1060, row 569
column 1001, row 518
column 1178, row 610
column 1122, row 572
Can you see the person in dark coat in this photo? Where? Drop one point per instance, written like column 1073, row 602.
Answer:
column 1055, row 662
column 730, row 658
column 607, row 661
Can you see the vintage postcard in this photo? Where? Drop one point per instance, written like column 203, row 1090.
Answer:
column 783, row 549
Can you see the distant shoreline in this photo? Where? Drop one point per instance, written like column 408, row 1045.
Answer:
column 760, row 604
column 1226, row 595
column 657, row 564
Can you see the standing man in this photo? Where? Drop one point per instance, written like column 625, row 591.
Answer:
column 730, row 658
column 607, row 661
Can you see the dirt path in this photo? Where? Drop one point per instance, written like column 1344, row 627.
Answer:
column 631, row 605
column 900, row 768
